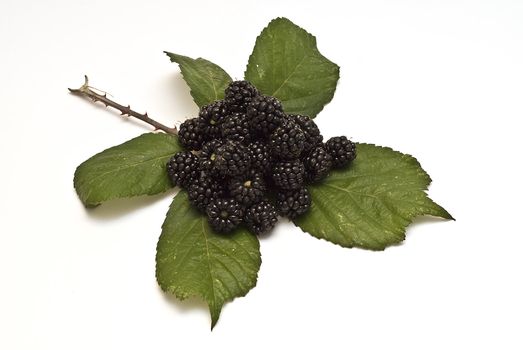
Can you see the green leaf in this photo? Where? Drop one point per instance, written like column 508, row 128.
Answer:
column 370, row 204
column 206, row 79
column 286, row 64
column 193, row 260
column 134, row 168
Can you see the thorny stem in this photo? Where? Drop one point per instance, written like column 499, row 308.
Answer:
column 86, row 91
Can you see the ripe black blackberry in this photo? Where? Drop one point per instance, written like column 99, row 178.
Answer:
column 236, row 127
column 293, row 203
column 342, row 150
column 248, row 189
column 232, row 159
column 183, row 168
column 211, row 117
column 239, row 94
column 208, row 156
column 203, row 190
column 318, row 164
column 190, row 134
column 260, row 156
column 265, row 114
column 287, row 141
column 312, row 133
column 250, row 147
column 288, row 175
column 261, row 217
column 224, row 215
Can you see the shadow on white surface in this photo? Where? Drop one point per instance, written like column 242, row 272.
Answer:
column 415, row 224
column 175, row 97
column 121, row 207
column 422, row 220
column 189, row 305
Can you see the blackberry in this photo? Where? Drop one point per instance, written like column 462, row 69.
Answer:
column 239, row 94
column 288, row 175
column 190, row 134
column 203, row 190
column 317, row 163
column 343, row 151
column 236, row 127
column 293, row 203
column 265, row 114
column 182, row 168
column 208, row 156
column 248, row 189
column 287, row 141
column 224, row 215
column 312, row 133
column 260, row 156
column 211, row 117
column 232, row 159
column 261, row 217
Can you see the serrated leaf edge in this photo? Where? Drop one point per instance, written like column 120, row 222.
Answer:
column 182, row 295
column 285, row 19
column 445, row 214
column 93, row 204
column 172, row 56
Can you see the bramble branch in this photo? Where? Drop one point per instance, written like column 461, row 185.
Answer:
column 86, row 91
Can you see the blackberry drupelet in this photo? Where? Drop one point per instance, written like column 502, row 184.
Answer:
column 208, row 156
column 203, row 190
column 183, row 168
column 261, row 217
column 260, row 156
column 248, row 189
column 190, row 134
column 318, row 164
column 287, row 141
column 342, row 150
column 239, row 94
column 312, row 133
column 211, row 117
column 236, row 127
column 232, row 159
column 293, row 203
column 224, row 215
column 288, row 175
column 265, row 114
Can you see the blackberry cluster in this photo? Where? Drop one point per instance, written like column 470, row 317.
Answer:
column 246, row 161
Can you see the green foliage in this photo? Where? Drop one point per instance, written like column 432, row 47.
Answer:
column 193, row 260
column 134, row 168
column 370, row 204
column 286, row 64
column 206, row 80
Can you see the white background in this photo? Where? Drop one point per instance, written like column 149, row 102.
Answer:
column 442, row 80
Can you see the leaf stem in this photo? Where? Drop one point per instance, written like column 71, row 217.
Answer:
column 86, row 91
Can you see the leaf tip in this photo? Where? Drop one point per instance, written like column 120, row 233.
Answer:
column 215, row 314
column 447, row 215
